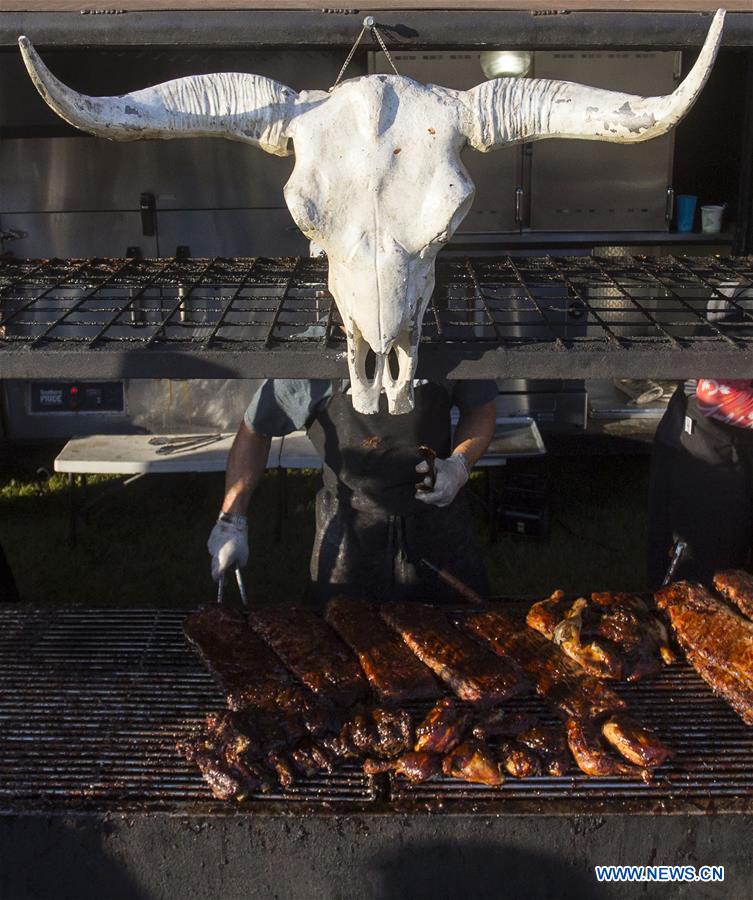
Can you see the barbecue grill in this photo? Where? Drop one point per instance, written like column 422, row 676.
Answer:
column 94, row 799
column 94, row 702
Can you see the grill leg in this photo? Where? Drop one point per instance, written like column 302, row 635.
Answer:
column 491, row 504
column 72, row 509
column 281, row 511
column 8, row 589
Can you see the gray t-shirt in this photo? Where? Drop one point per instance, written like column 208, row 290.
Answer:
column 284, row 405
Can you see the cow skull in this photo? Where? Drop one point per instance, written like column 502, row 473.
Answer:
column 378, row 181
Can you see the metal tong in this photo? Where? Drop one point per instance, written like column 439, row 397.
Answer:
column 677, row 552
column 175, row 444
column 241, row 588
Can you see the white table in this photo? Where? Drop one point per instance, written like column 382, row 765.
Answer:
column 136, row 455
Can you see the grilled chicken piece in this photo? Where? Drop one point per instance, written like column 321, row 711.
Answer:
column 637, row 744
column 255, row 740
column 395, row 674
column 284, row 768
column 555, row 676
column 474, row 762
column 627, row 621
column 591, row 753
column 519, row 761
column 610, row 636
column 224, row 782
column 717, row 641
column 265, row 746
column 471, row 672
column 550, row 744
column 394, row 730
column 443, row 728
column 308, row 760
column 223, row 765
column 316, row 715
column 736, row 586
column 381, row 732
column 598, row 658
column 414, row 766
column 546, row 615
column 499, row 723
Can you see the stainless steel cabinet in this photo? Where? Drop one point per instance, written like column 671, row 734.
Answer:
column 559, row 185
column 591, row 186
column 496, row 175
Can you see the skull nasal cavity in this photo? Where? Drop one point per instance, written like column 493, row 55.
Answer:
column 394, row 363
column 370, row 364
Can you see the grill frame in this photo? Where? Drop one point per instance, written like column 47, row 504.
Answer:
column 538, row 317
column 130, row 657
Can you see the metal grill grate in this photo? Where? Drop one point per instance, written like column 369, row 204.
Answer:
column 93, row 701
column 91, row 707
column 184, row 318
column 709, row 772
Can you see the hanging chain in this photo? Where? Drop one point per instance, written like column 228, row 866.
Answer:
column 370, row 25
column 378, row 36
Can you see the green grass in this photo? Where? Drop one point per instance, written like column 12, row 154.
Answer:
column 145, row 545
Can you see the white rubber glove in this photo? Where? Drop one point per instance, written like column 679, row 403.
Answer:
column 451, row 474
column 228, row 544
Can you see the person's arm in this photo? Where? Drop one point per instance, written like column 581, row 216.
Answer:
column 245, row 467
column 279, row 407
column 473, row 434
column 228, row 541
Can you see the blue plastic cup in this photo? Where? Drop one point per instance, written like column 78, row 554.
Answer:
column 685, row 205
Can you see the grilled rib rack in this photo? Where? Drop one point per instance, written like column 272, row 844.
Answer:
column 91, row 706
column 537, row 317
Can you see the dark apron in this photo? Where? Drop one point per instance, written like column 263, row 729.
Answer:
column 371, row 532
column 701, row 492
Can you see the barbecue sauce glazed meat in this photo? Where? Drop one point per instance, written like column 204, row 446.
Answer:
column 313, row 652
column 554, row 676
column 736, row 586
column 246, row 669
column 395, row 674
column 470, row 671
column 717, row 641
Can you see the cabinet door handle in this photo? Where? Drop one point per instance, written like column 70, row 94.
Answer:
column 519, row 205
column 670, row 208
column 148, row 216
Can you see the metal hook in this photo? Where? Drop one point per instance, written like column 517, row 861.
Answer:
column 369, row 24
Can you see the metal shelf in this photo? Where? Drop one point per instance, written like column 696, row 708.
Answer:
column 525, row 317
column 404, row 28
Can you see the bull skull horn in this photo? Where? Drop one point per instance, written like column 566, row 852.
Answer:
column 513, row 110
column 232, row 105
